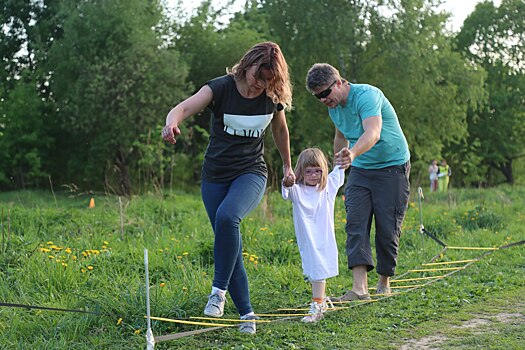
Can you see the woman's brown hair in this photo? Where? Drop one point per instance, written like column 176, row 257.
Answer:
column 267, row 55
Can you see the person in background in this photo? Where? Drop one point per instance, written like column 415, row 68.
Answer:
column 433, row 174
column 444, row 174
column 313, row 197
column 253, row 94
column 378, row 182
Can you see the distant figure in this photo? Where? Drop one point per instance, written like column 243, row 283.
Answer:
column 313, row 198
column 433, row 173
column 444, row 174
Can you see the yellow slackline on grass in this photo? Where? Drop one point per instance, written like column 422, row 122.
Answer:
column 227, row 319
column 440, row 269
column 415, row 279
column 450, row 262
column 472, row 248
column 189, row 322
column 279, row 315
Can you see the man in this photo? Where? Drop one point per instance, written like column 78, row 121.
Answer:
column 368, row 138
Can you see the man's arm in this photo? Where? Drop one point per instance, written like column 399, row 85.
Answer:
column 344, row 156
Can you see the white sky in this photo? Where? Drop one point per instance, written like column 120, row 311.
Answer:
column 460, row 9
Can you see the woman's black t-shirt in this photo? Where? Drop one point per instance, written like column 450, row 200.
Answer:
column 237, row 130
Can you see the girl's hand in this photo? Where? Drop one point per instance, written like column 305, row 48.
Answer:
column 344, row 158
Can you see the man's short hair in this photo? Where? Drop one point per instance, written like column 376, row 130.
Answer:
column 321, row 74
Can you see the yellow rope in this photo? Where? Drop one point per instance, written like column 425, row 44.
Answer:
column 280, row 315
column 472, row 248
column 416, row 279
column 226, row 319
column 405, row 287
column 353, row 301
column 189, row 322
column 440, row 269
column 450, row 262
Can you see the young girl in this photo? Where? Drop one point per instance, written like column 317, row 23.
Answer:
column 313, row 197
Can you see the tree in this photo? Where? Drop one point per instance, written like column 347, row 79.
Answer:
column 494, row 37
column 112, row 78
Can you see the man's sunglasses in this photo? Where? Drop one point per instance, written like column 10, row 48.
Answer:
column 325, row 92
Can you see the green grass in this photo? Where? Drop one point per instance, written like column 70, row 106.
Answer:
column 58, row 253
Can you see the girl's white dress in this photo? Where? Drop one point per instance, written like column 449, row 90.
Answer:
column 313, row 216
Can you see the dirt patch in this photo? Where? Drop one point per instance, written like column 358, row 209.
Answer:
column 427, row 343
column 480, row 323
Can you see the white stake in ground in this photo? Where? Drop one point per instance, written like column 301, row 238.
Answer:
column 150, row 340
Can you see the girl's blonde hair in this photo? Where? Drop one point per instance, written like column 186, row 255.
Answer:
column 311, row 157
column 267, row 55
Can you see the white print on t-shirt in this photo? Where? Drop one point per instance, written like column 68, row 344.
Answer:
column 246, row 125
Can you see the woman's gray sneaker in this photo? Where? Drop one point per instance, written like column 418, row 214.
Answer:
column 215, row 305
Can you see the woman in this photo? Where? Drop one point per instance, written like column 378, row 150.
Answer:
column 253, row 94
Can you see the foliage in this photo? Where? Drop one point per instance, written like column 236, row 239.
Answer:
column 88, row 84
column 493, row 37
column 112, row 79
column 480, row 218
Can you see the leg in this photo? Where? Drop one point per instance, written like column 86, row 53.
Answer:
column 360, row 284
column 227, row 205
column 358, row 224
column 318, row 291
column 390, row 200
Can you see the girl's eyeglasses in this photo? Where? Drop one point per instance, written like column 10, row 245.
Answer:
column 325, row 92
column 310, row 172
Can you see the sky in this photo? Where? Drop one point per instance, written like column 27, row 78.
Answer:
column 460, row 9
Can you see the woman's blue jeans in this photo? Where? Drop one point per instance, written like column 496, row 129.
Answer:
column 227, row 203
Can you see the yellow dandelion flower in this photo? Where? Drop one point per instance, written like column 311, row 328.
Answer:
column 74, row 257
column 68, row 250
column 49, row 243
column 94, row 251
column 106, row 242
column 84, row 254
column 179, row 257
column 119, row 322
column 251, row 258
column 104, row 247
column 184, row 289
column 57, row 260
column 90, row 267
column 255, row 262
column 160, row 250
column 162, row 284
column 83, row 270
column 263, row 228
column 137, row 331
column 45, row 250
column 51, row 257
column 64, row 264
column 245, row 254
column 185, row 253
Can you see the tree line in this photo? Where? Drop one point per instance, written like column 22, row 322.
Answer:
column 86, row 85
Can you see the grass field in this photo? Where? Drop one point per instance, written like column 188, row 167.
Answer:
column 55, row 252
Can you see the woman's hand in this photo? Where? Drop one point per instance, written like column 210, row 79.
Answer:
column 170, row 132
column 289, row 180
